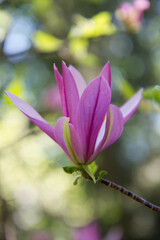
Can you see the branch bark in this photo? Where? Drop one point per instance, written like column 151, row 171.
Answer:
column 127, row 193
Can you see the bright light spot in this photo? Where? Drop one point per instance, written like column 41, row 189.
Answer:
column 16, row 43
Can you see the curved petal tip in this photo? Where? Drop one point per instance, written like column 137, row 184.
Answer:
column 32, row 114
column 129, row 108
column 106, row 73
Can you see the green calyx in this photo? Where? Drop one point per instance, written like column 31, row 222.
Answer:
column 67, row 138
column 88, row 170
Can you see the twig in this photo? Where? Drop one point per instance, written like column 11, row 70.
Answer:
column 130, row 194
column 127, row 193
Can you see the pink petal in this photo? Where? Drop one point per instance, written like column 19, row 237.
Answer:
column 32, row 114
column 126, row 7
column 141, row 5
column 101, row 138
column 59, row 137
column 61, row 89
column 106, row 73
column 70, row 93
column 116, row 126
column 91, row 111
column 129, row 108
column 80, row 82
column 76, row 144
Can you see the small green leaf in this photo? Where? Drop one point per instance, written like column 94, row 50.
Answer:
column 101, row 174
column 75, row 182
column 152, row 93
column 72, row 169
column 88, row 170
column 93, row 167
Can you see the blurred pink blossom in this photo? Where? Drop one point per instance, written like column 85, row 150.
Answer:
column 51, row 99
column 92, row 232
column 88, row 232
column 132, row 14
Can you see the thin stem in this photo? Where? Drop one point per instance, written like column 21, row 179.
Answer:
column 130, row 194
column 127, row 193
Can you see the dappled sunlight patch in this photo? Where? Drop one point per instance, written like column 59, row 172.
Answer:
column 45, row 42
column 96, row 26
column 26, row 218
column 149, row 174
column 11, row 121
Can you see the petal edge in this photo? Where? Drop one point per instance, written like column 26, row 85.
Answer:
column 32, row 114
column 129, row 108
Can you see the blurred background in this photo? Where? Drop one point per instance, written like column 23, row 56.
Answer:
column 37, row 198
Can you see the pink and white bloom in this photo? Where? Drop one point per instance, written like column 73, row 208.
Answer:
column 90, row 123
column 131, row 13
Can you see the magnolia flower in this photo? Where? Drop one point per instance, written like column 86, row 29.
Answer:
column 90, row 123
column 131, row 14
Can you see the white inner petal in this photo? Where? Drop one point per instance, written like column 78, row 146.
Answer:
column 101, row 133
